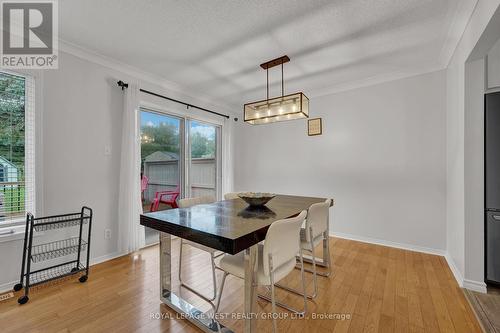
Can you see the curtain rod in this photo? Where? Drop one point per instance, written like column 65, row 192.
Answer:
column 124, row 85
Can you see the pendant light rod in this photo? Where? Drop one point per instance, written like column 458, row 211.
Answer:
column 282, row 82
column 270, row 64
column 267, row 86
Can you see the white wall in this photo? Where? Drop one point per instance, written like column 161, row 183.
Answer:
column 381, row 156
column 82, row 113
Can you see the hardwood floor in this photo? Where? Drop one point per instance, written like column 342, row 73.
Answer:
column 487, row 307
column 382, row 289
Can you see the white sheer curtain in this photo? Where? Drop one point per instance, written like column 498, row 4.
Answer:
column 227, row 156
column 131, row 233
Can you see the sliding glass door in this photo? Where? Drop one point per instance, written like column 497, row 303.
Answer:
column 161, row 163
column 203, row 166
column 179, row 158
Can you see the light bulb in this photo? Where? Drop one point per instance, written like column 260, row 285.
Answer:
column 280, row 110
column 294, row 108
column 257, row 115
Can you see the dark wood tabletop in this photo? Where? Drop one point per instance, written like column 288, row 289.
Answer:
column 230, row 225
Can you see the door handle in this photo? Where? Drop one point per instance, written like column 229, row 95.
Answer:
column 496, row 217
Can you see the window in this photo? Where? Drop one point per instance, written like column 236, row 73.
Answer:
column 16, row 147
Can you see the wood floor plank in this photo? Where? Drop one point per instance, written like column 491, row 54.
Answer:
column 380, row 289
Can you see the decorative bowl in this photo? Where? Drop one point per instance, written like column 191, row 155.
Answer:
column 256, row 199
column 257, row 212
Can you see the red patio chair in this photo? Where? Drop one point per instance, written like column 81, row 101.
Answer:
column 166, row 197
column 144, row 185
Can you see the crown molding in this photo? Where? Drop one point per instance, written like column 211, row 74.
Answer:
column 141, row 75
column 231, row 109
column 460, row 19
column 374, row 80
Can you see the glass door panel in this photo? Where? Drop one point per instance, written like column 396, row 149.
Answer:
column 203, row 166
column 161, row 163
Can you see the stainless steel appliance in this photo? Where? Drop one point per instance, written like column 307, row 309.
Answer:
column 492, row 187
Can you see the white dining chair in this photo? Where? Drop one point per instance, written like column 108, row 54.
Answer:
column 185, row 203
column 231, row 196
column 275, row 260
column 314, row 232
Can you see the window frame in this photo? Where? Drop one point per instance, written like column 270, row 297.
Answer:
column 14, row 229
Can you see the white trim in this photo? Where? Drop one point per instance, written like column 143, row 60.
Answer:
column 29, row 144
column 463, row 283
column 454, row 269
column 382, row 242
column 135, row 72
column 374, row 80
column 231, row 109
column 475, row 286
column 9, row 285
column 460, row 19
column 492, row 90
column 14, row 232
column 106, row 257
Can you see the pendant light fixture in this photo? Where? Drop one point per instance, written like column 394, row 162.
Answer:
column 285, row 107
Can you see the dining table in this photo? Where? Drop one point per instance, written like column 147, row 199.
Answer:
column 230, row 226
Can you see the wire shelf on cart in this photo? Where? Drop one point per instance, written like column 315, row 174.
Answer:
column 55, row 272
column 60, row 221
column 61, row 248
column 57, row 249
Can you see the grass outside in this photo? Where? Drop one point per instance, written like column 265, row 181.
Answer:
column 13, row 199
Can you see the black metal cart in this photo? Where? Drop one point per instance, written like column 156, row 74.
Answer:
column 33, row 253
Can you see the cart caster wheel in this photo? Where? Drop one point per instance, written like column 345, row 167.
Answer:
column 74, row 269
column 18, row 287
column 22, row 299
column 83, row 278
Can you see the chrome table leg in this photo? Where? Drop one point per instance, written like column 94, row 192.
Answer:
column 250, row 291
column 203, row 321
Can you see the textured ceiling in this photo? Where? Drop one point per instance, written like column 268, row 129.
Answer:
column 215, row 47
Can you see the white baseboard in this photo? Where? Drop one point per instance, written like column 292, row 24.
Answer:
column 478, row 286
column 463, row 283
column 397, row 245
column 475, row 286
column 454, row 269
column 9, row 285
column 106, row 257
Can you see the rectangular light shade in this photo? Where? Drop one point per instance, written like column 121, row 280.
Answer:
column 289, row 107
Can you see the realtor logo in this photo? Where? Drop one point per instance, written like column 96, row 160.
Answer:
column 29, row 34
